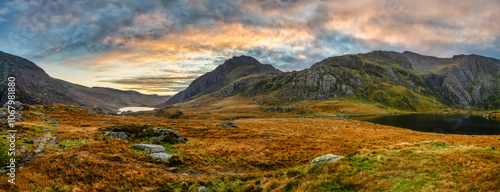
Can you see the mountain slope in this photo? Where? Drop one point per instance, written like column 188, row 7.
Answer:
column 34, row 86
column 407, row 81
column 229, row 75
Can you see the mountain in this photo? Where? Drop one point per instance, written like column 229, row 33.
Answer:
column 228, row 77
column 34, row 86
column 407, row 81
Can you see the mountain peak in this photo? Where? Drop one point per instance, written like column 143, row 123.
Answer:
column 234, row 69
column 238, row 61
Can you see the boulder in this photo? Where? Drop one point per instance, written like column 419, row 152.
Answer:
column 228, row 124
column 202, row 189
column 17, row 105
column 161, row 156
column 168, row 135
column 150, row 148
column 53, row 142
column 328, row 158
column 118, row 135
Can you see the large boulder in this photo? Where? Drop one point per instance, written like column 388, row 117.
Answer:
column 161, row 156
column 328, row 158
column 150, row 148
column 118, row 135
column 167, row 135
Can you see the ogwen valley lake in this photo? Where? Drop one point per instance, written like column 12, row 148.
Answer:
column 456, row 124
column 135, row 109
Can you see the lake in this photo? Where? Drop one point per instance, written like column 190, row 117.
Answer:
column 447, row 124
column 135, row 109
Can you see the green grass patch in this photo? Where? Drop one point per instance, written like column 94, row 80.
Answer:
column 39, row 129
column 73, row 143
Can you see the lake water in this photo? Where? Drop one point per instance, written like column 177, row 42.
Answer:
column 458, row 124
column 134, row 109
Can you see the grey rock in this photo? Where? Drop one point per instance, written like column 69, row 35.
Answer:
column 150, row 148
column 53, row 141
column 118, row 135
column 161, row 156
column 167, row 132
column 94, row 110
column 23, row 148
column 51, row 121
column 228, row 124
column 17, row 105
column 27, row 158
column 328, row 158
column 202, row 189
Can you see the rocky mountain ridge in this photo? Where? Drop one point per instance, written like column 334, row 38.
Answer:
column 227, row 76
column 34, row 86
column 407, row 81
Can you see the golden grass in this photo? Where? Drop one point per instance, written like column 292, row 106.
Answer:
column 268, row 152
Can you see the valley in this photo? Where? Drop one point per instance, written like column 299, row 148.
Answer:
column 271, row 149
column 248, row 126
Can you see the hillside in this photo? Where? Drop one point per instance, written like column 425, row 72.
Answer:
column 406, row 81
column 229, row 76
column 34, row 86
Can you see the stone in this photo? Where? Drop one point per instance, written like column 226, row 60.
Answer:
column 17, row 105
column 118, row 135
column 202, row 189
column 161, row 156
column 150, row 148
column 172, row 136
column 53, row 142
column 328, row 158
column 228, row 124
column 23, row 148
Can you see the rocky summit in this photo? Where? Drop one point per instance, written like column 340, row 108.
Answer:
column 228, row 77
column 407, row 81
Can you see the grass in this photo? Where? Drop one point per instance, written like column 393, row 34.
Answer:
column 271, row 151
column 39, row 129
column 74, row 143
column 4, row 149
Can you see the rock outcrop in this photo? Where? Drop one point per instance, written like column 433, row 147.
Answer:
column 407, row 81
column 225, row 74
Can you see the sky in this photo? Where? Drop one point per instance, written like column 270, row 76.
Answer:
column 160, row 46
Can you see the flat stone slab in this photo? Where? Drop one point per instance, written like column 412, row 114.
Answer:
column 161, row 156
column 328, row 158
column 150, row 148
column 228, row 124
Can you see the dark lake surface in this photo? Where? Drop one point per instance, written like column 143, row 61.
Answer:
column 457, row 124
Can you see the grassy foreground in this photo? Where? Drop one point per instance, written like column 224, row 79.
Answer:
column 270, row 151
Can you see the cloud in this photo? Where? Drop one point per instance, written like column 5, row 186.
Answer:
column 157, row 84
column 161, row 37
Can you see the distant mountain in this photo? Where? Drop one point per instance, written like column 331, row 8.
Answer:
column 34, row 86
column 226, row 77
column 407, row 81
